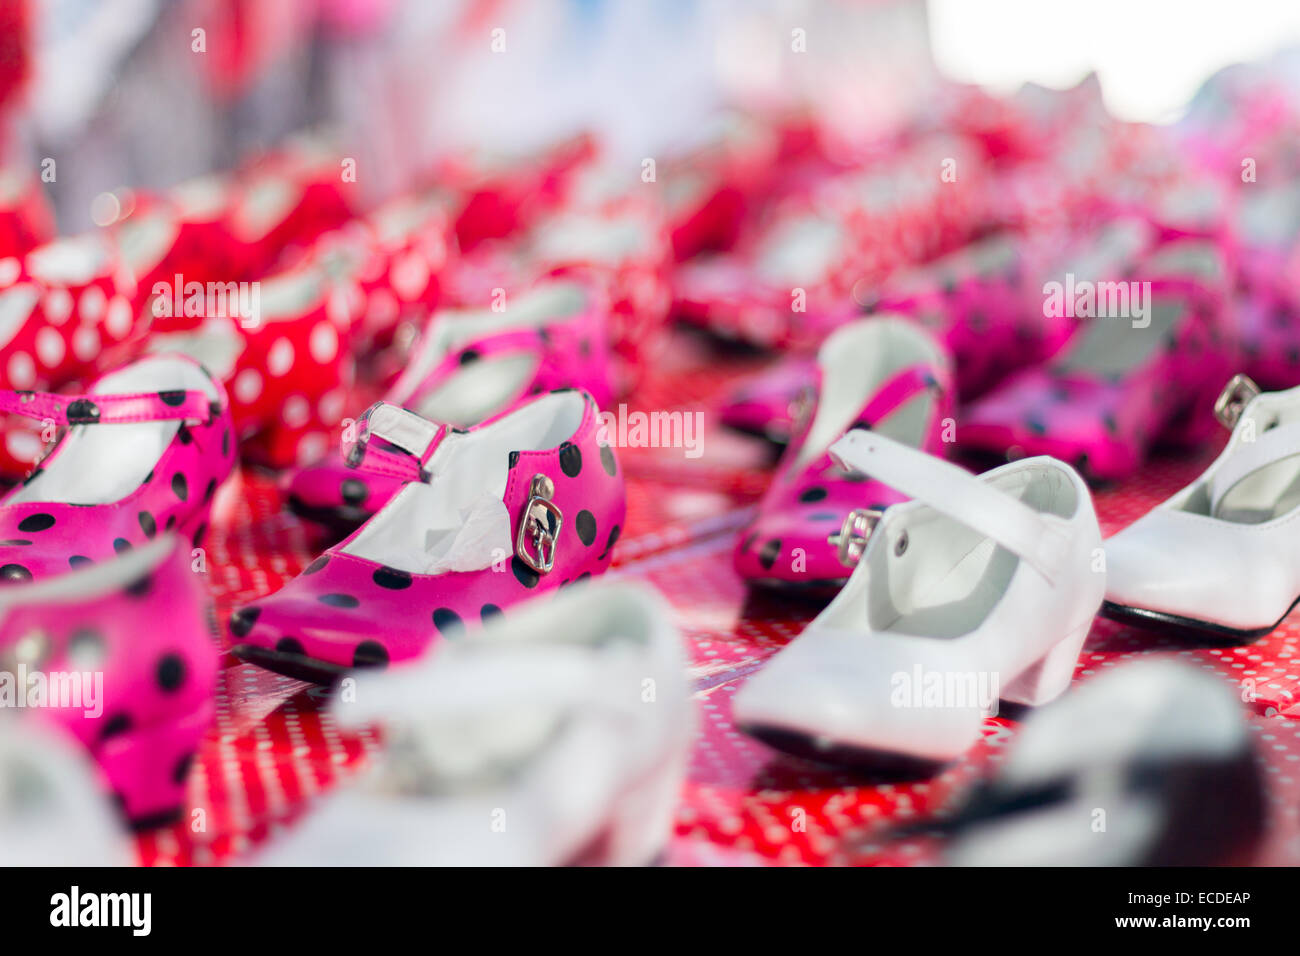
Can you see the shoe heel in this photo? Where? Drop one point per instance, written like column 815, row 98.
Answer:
column 643, row 819
column 1049, row 676
column 148, row 767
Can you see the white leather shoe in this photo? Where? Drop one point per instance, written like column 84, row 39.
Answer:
column 1150, row 764
column 557, row 734
column 978, row 589
column 1222, row 556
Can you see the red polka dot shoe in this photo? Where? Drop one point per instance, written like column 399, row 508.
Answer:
column 471, row 365
column 126, row 647
column 144, row 452
column 885, row 374
column 289, row 371
column 486, row 517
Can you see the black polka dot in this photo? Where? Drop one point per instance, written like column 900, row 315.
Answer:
column 392, row 579
column 570, row 459
column 447, row 621
column 79, row 561
column 613, row 539
column 489, row 611
column 36, row 522
column 316, row 565
column 289, row 645
column 811, row 495
column 242, row 621
column 82, row 412
column 468, row 357
column 171, row 522
column 15, row 572
column 768, row 554
column 339, row 600
column 1036, row 426
column 141, row 586
column 523, row 573
column 115, row 725
column 181, row 772
column 370, row 654
column 180, row 487
column 225, row 443
column 173, row 398
column 170, row 673
column 607, row 461
column 147, row 524
column 121, row 545
column 210, row 490
column 585, row 525
column 183, row 433
column 353, row 492
column 199, row 534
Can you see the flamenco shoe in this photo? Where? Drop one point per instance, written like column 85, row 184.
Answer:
column 979, row 589
column 486, row 516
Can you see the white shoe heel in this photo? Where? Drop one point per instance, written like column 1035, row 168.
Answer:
column 643, row 820
column 1048, row 677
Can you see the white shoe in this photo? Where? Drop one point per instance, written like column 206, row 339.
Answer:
column 1222, row 556
column 979, row 588
column 557, row 734
column 1150, row 764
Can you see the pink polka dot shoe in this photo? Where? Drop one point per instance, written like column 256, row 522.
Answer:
column 884, row 374
column 767, row 404
column 144, row 452
column 1122, row 383
column 129, row 667
column 471, row 365
column 486, row 517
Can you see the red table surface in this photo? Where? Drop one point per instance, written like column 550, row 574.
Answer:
column 272, row 748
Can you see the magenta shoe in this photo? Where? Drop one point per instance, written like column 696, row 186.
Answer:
column 486, row 517
column 128, row 640
column 768, row 404
column 143, row 453
column 468, row 366
column 885, row 374
column 1119, row 386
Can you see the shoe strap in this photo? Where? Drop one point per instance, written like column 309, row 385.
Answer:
column 408, row 441
column 897, row 390
column 110, row 409
column 1039, row 539
column 1267, row 448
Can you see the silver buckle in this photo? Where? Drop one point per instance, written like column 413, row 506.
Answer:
column 539, row 527
column 851, row 540
column 1232, row 401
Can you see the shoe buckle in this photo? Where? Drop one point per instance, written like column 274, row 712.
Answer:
column 851, row 540
column 539, row 527
column 1232, row 401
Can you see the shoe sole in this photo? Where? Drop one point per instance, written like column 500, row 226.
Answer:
column 818, row 588
column 1173, row 623
column 297, row 666
column 885, row 764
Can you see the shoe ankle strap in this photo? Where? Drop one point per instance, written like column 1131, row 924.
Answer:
column 120, row 409
column 1265, row 448
column 408, row 440
column 1040, row 540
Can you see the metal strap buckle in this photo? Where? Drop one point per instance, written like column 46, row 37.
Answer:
column 539, row 527
column 1236, row 395
column 851, row 540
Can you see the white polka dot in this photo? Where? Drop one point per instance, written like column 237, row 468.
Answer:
column 331, row 407
column 25, row 446
column 248, row 385
column 85, row 343
column 410, row 275
column 22, row 370
column 10, row 270
column 324, row 342
column 312, row 448
column 384, row 307
column 50, row 348
column 280, row 359
column 296, row 411
column 92, row 304
column 118, row 320
column 58, row 305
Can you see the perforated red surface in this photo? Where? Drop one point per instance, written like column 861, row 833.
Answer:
column 272, row 749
